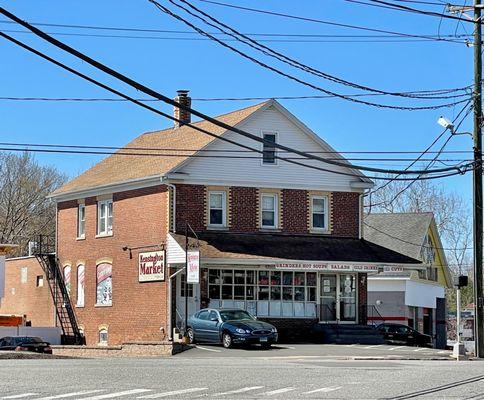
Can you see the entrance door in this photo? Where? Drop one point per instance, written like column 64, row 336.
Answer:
column 338, row 298
column 193, row 299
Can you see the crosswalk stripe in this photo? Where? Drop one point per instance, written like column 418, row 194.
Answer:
column 19, row 396
column 243, row 390
column 66, row 395
column 172, row 393
column 324, row 390
column 117, row 394
column 279, row 391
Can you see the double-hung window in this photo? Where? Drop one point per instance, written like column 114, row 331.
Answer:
column 105, row 217
column 269, row 148
column 269, row 211
column 217, row 212
column 319, row 211
column 81, row 221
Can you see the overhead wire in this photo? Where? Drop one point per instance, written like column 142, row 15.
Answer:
column 294, row 78
column 460, row 170
column 195, row 112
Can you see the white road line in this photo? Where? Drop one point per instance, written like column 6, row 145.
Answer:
column 420, row 349
column 278, row 391
column 207, row 349
column 324, row 390
column 393, row 348
column 350, row 345
column 373, row 346
column 117, row 394
column 72, row 394
column 243, row 390
column 172, row 393
column 19, row 396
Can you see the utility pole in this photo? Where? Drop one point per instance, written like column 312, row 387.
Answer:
column 477, row 185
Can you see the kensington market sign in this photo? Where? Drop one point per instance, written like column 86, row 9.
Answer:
column 329, row 267
column 151, row 266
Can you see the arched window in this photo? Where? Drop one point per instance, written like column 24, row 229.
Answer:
column 67, row 278
column 80, row 285
column 104, row 284
column 103, row 336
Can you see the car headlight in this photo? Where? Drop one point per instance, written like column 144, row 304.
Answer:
column 240, row 330
column 274, row 330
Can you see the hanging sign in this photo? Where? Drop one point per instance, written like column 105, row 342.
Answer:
column 193, row 266
column 151, row 266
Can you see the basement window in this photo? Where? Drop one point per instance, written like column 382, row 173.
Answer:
column 103, row 337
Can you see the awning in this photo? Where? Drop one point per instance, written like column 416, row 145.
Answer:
column 285, row 250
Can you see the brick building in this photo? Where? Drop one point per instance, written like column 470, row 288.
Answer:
column 277, row 239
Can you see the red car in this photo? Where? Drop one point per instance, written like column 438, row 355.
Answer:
column 25, row 343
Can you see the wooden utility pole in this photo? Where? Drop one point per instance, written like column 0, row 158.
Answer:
column 477, row 185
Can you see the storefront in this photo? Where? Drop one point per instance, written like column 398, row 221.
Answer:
column 330, row 287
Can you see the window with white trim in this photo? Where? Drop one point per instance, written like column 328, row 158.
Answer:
column 269, row 211
column 217, row 212
column 319, row 212
column 105, row 217
column 81, row 221
column 269, row 148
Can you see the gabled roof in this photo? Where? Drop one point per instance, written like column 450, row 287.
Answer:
column 121, row 168
column 401, row 232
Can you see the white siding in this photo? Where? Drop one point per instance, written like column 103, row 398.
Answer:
column 175, row 254
column 251, row 172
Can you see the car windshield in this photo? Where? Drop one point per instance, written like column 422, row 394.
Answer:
column 27, row 339
column 235, row 315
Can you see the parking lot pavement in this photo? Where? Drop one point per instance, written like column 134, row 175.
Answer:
column 326, row 351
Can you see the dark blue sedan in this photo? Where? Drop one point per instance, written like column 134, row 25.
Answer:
column 230, row 327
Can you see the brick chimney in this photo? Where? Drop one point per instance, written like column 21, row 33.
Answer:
column 185, row 117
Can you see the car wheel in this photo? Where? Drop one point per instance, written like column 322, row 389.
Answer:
column 227, row 340
column 191, row 336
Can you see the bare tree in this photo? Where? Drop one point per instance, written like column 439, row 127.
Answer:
column 24, row 209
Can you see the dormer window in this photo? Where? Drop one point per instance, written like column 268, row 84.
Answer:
column 269, row 148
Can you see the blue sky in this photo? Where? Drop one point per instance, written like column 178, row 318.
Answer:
column 211, row 71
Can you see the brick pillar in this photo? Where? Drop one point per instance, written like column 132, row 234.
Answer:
column 362, row 298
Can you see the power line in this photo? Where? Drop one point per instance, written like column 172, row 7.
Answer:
column 461, row 170
column 292, row 77
column 151, row 92
column 280, row 56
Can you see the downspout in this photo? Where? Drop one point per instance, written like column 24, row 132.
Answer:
column 362, row 213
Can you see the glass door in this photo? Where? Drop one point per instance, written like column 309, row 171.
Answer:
column 347, row 297
column 329, row 298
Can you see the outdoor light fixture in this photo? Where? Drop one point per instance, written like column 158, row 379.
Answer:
column 445, row 123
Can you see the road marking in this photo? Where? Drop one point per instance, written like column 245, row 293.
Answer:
column 117, row 394
column 289, row 347
column 243, row 390
column 324, row 390
column 19, row 396
column 373, row 347
column 420, row 349
column 393, row 348
column 207, row 349
column 72, row 394
column 279, row 391
column 172, row 393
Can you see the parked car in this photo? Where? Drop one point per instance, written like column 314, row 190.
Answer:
column 230, row 327
column 403, row 334
column 25, row 343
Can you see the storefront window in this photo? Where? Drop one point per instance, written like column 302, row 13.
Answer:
column 104, row 284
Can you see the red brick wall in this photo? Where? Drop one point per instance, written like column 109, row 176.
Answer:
column 26, row 298
column 138, row 310
column 190, row 206
column 345, row 214
column 295, row 211
column 243, row 209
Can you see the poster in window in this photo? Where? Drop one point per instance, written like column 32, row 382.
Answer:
column 67, row 278
column 104, row 284
column 193, row 266
column 80, row 286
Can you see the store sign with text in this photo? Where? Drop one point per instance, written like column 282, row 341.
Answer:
column 151, row 266
column 193, row 266
column 328, row 267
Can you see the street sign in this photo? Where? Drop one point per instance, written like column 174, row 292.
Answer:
column 193, row 266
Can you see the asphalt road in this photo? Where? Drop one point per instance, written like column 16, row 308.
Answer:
column 256, row 377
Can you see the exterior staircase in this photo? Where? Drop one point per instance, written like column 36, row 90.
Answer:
column 66, row 318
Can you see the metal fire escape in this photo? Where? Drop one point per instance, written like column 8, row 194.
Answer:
column 44, row 251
